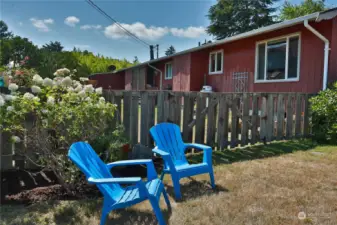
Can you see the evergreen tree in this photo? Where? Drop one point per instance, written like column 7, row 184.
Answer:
column 136, row 61
column 291, row 11
column 232, row 17
column 53, row 47
column 170, row 51
column 4, row 33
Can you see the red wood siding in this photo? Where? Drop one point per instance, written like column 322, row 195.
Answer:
column 239, row 56
column 181, row 72
column 333, row 52
column 161, row 66
column 128, row 80
column 109, row 80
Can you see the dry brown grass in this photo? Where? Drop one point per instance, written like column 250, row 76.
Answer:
column 270, row 191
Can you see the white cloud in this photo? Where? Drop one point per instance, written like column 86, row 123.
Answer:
column 138, row 29
column 88, row 27
column 82, row 46
column 190, row 32
column 149, row 33
column 71, row 21
column 42, row 25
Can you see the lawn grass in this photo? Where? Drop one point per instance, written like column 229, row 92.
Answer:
column 261, row 185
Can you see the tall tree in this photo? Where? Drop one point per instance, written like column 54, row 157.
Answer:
column 53, row 46
column 231, row 17
column 136, row 61
column 291, row 11
column 170, row 51
column 4, row 33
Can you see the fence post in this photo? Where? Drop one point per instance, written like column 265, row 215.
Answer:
column 188, row 117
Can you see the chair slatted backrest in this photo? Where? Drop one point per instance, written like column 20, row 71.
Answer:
column 168, row 138
column 91, row 165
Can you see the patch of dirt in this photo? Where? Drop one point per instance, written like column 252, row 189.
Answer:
column 53, row 192
column 23, row 187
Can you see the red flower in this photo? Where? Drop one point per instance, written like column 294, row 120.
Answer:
column 27, row 57
column 18, row 72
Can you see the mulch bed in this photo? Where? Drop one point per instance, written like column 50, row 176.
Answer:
column 23, row 187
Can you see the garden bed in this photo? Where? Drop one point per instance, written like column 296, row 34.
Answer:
column 24, row 187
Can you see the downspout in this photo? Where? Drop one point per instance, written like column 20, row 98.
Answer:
column 161, row 76
column 326, row 52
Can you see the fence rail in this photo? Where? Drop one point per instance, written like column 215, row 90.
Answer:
column 221, row 120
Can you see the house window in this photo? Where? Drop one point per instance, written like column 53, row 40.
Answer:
column 278, row 59
column 168, row 71
column 216, row 62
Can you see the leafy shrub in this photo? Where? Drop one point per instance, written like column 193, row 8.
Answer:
column 324, row 115
column 110, row 145
column 64, row 111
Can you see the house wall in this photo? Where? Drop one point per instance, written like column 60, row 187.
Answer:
column 239, row 56
column 181, row 69
column 110, row 80
column 128, row 80
column 333, row 52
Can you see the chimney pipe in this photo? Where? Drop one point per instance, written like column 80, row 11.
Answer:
column 151, row 53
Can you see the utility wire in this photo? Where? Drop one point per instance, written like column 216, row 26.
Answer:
column 91, row 3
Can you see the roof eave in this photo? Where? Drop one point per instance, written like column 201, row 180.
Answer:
column 277, row 26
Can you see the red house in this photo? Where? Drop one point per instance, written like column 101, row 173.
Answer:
column 298, row 55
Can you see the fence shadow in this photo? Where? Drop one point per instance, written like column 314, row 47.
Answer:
column 194, row 189
column 255, row 151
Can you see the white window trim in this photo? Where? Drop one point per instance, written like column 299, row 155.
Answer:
column 216, row 61
column 169, row 78
column 298, row 34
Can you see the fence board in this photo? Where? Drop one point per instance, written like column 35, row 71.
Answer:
column 160, row 107
column 235, row 120
column 245, row 118
column 127, row 112
column 255, row 114
column 270, row 118
column 306, row 116
column 188, row 115
column 134, row 120
column 211, row 119
column 200, row 119
column 289, row 129
column 151, row 119
column 298, row 115
column 280, row 116
column 6, row 151
column 223, row 122
column 144, row 117
column 263, row 119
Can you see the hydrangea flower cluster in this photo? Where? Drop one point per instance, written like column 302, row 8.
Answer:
column 47, row 98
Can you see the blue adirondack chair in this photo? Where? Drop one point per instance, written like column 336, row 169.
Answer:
column 171, row 148
column 115, row 196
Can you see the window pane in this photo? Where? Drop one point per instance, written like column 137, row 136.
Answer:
column 261, row 61
column 293, row 57
column 219, row 61
column 212, row 66
column 276, row 58
column 170, row 69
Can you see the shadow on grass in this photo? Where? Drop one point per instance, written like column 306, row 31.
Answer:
column 195, row 189
column 256, row 151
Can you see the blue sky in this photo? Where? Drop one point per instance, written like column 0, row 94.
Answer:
column 179, row 23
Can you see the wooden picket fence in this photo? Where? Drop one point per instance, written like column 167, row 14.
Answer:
column 221, row 120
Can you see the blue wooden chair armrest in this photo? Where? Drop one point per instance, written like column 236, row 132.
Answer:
column 166, row 156
column 126, row 180
column 207, row 151
column 151, row 172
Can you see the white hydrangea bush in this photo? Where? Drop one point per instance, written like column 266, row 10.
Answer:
column 65, row 111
